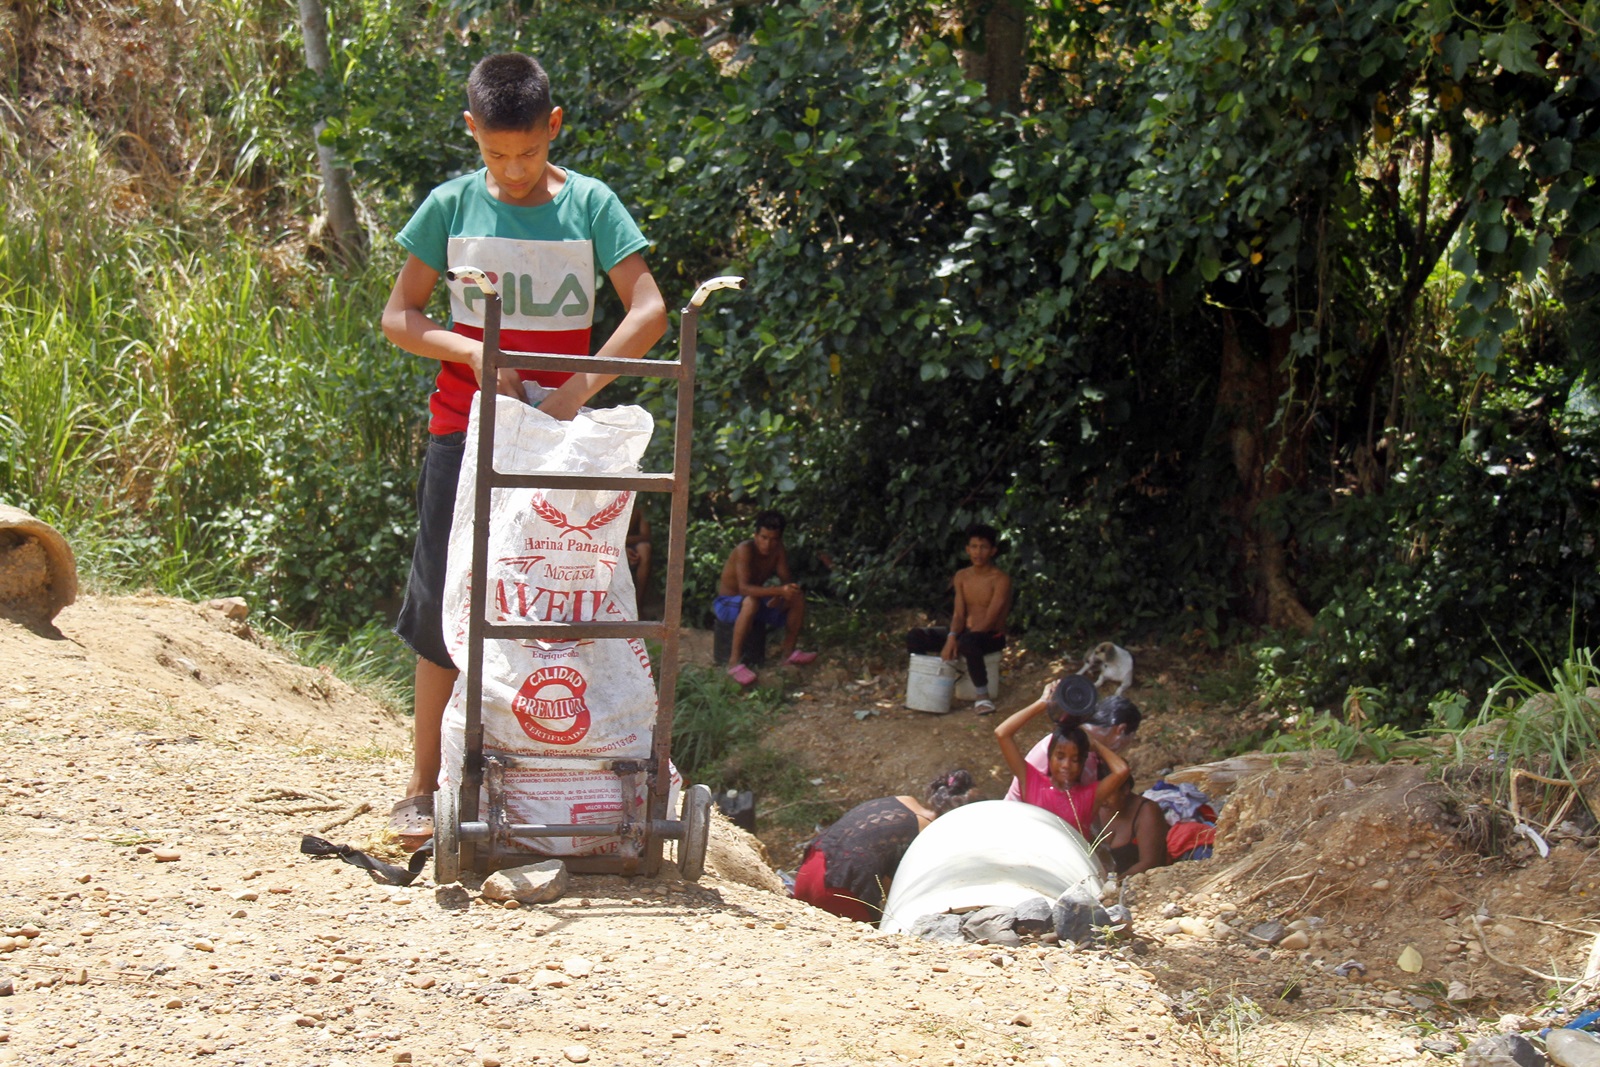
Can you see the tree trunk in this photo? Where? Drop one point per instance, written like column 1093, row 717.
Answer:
column 1267, row 456
column 1001, row 62
column 349, row 241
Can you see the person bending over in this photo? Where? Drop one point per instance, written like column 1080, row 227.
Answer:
column 848, row 867
column 1133, row 832
column 978, row 623
column 744, row 598
column 1114, row 721
column 1063, row 789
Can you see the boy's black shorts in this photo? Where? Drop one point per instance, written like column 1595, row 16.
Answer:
column 421, row 623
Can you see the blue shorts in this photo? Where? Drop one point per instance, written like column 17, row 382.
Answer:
column 421, row 621
column 726, row 609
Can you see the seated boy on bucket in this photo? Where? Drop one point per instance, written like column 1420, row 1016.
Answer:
column 744, row 597
column 978, row 624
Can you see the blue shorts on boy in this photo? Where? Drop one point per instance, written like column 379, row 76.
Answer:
column 547, row 262
column 726, row 609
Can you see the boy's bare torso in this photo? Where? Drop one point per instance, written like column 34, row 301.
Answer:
column 747, row 566
column 986, row 594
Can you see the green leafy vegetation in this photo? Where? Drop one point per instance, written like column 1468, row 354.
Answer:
column 713, row 716
column 1527, row 756
column 1261, row 324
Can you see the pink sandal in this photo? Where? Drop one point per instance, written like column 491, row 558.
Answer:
column 742, row 674
column 798, row 658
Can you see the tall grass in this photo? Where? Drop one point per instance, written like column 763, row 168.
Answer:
column 195, row 403
column 1551, row 730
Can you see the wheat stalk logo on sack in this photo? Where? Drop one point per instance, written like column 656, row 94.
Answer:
column 556, row 517
column 553, row 515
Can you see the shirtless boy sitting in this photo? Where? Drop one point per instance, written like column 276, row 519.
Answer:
column 978, row 624
column 743, row 595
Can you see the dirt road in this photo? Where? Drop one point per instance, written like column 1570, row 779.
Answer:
column 160, row 767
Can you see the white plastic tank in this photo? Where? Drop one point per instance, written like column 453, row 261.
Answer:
column 992, row 853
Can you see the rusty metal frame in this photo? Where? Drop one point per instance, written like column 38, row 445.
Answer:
column 488, row 839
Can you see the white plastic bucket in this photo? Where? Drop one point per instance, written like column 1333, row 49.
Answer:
column 964, row 689
column 930, row 684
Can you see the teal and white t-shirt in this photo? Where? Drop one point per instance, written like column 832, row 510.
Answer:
column 547, row 262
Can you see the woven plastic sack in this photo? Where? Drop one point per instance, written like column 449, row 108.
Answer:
column 554, row 555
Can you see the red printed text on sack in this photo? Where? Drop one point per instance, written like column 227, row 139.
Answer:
column 550, row 706
column 522, row 600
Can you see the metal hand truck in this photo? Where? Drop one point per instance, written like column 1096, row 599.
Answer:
column 466, row 838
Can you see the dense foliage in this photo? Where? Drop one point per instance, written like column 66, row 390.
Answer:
column 1266, row 314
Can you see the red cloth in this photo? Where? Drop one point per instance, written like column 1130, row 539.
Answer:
column 455, row 386
column 1184, row 836
column 810, row 886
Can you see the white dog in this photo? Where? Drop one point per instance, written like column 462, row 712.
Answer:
column 1115, row 663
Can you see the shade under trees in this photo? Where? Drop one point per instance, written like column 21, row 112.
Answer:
column 1267, row 318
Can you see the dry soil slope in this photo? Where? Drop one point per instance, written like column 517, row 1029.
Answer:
column 149, row 728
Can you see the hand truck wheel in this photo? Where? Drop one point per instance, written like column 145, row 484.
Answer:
column 447, row 834
column 696, row 832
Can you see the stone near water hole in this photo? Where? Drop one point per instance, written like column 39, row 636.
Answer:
column 997, row 926
column 1194, row 927
column 1271, row 932
column 1171, row 910
column 1572, row 1048
column 1078, row 915
column 1035, row 916
column 1295, row 940
column 576, row 1053
column 1502, row 1050
column 943, row 927
column 536, row 883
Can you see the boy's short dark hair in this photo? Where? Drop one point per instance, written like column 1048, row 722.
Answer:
column 984, row 532
column 508, row 91
column 770, row 520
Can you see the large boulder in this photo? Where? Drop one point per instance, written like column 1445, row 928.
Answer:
column 38, row 573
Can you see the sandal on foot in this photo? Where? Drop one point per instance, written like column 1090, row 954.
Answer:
column 412, row 820
column 983, row 707
column 742, row 674
column 798, row 658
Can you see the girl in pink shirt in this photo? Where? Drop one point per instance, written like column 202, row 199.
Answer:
column 1059, row 789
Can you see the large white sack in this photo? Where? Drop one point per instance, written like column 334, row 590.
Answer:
column 995, row 853
column 554, row 555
